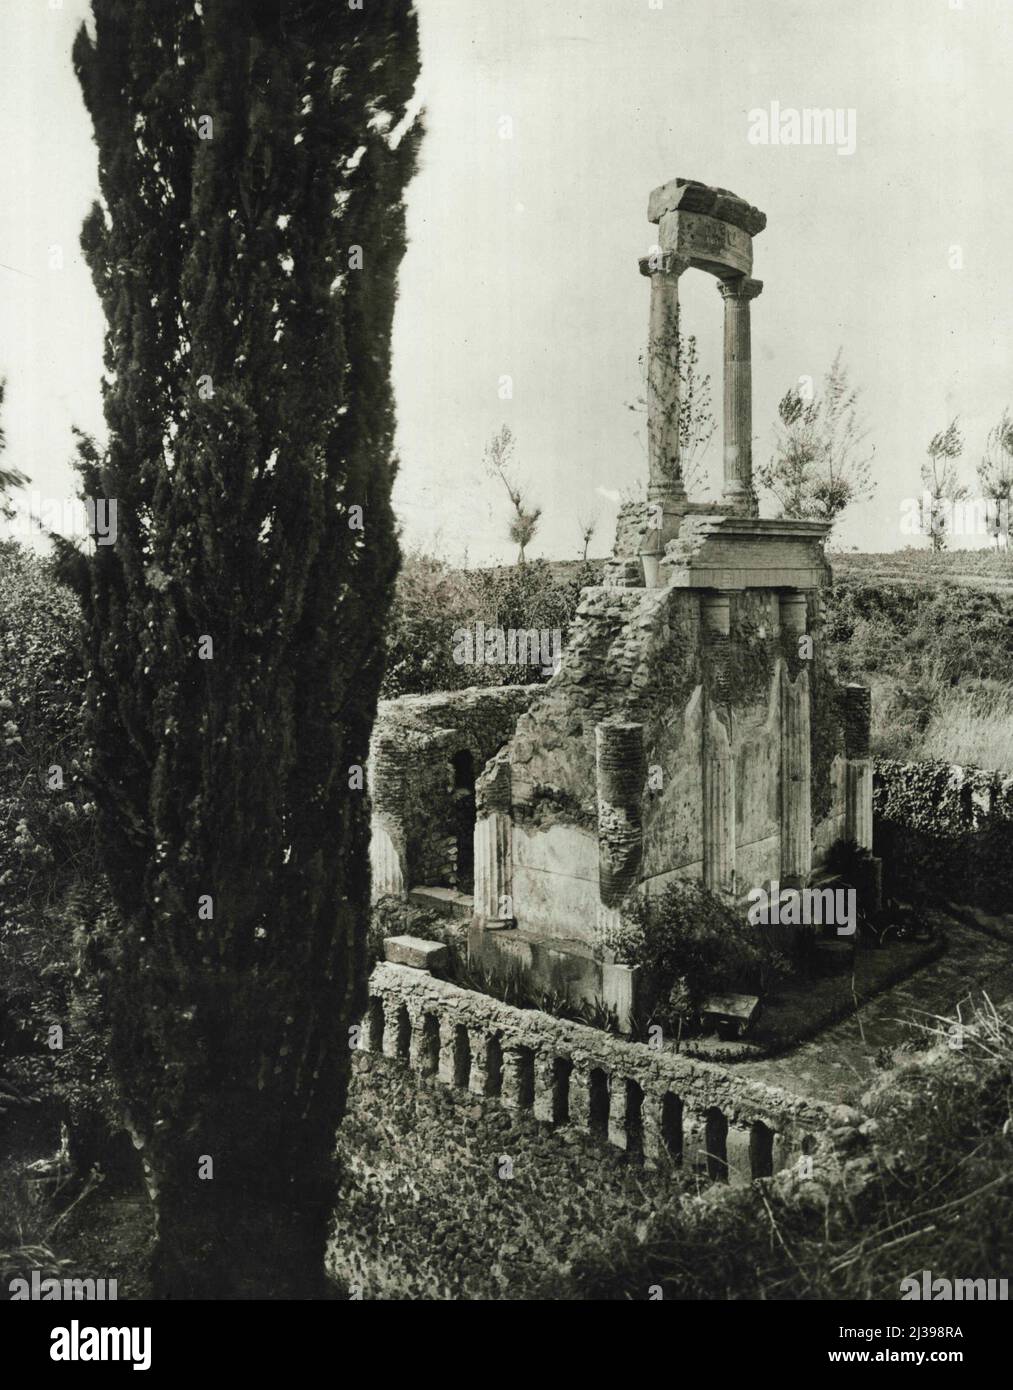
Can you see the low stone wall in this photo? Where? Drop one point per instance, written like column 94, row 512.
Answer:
column 945, row 829
column 506, row 1133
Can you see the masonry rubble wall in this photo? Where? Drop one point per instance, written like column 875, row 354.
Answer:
column 411, row 776
column 945, row 829
column 508, row 1135
column 635, row 656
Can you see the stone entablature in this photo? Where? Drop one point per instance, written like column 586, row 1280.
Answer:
column 734, row 552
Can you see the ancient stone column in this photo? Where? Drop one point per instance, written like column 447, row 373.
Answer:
column 796, row 756
column 516, row 1091
column 740, row 1172
column 739, row 493
column 666, row 492
column 654, row 1140
column 619, row 771
column 718, row 758
column 694, row 1140
column 446, row 1068
column 392, row 1026
column 494, row 903
column 858, row 768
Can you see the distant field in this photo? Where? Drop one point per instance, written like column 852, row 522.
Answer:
column 987, row 569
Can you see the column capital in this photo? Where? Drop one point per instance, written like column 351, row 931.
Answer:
column 743, row 288
column 659, row 262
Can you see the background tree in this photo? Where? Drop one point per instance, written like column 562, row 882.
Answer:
column 588, row 524
column 820, row 463
column 995, row 472
column 696, row 417
column 245, row 251
column 499, row 463
column 942, row 487
column 10, row 478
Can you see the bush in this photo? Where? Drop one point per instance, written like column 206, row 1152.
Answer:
column 433, row 602
column 689, row 945
column 54, row 897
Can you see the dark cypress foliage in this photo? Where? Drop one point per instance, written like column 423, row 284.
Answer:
column 249, row 409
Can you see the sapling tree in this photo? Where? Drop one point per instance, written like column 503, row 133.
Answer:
column 252, row 161
column 693, row 406
column 499, row 463
column 941, row 483
column 995, row 473
column 587, row 524
column 821, row 462
column 10, row 478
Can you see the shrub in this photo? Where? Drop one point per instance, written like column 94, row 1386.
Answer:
column 53, row 896
column 432, row 602
column 689, row 944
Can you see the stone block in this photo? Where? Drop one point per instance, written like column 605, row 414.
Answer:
column 446, row 902
column 731, row 1013
column 619, row 991
column 413, row 951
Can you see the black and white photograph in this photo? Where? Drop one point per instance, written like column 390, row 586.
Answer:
column 506, row 671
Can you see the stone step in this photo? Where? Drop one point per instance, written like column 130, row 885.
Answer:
column 448, row 902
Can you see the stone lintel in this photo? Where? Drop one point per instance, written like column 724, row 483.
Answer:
column 413, row 951
column 737, row 580
column 689, row 195
column 719, row 248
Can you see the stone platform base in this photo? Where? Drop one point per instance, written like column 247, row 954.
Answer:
column 550, row 963
column 448, row 902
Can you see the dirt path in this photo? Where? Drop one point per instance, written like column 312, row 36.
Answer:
column 839, row 1064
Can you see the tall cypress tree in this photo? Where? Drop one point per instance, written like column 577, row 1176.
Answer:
column 245, row 249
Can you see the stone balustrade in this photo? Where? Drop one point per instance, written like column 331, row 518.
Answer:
column 659, row 1106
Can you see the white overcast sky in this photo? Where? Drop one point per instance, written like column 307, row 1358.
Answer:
column 523, row 254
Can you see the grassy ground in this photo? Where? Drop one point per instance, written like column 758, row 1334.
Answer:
column 804, row 1006
column 984, row 568
column 971, row 731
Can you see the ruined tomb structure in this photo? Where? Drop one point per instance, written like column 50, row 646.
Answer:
column 692, row 729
